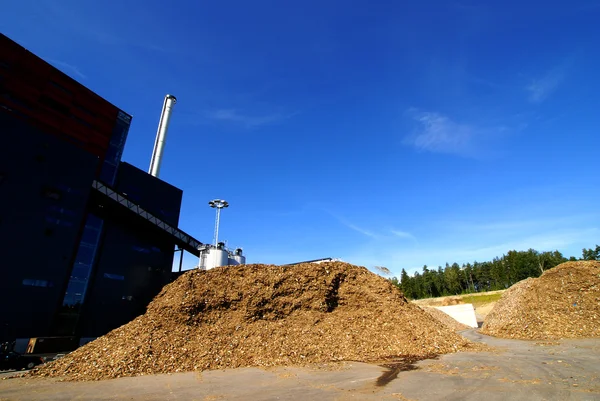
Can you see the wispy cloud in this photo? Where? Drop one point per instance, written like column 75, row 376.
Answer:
column 356, row 228
column 249, row 121
column 540, row 89
column 403, row 234
column 380, row 235
column 481, row 240
column 67, row 68
column 464, row 251
column 439, row 133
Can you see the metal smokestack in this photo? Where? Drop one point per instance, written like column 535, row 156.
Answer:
column 161, row 135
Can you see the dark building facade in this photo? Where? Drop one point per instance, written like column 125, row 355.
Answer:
column 134, row 263
column 73, row 262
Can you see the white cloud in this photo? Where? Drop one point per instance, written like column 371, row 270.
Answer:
column 67, row 68
column 439, row 133
column 540, row 89
column 250, row 121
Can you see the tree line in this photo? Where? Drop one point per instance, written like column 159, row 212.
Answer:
column 498, row 274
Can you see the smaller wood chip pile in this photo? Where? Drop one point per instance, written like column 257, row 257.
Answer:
column 260, row 315
column 564, row 302
column 445, row 319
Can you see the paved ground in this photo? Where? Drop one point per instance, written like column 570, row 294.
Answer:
column 516, row 370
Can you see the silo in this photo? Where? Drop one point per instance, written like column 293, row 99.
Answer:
column 217, row 258
column 238, row 257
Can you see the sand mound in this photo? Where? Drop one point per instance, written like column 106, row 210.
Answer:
column 445, row 319
column 564, row 302
column 260, row 315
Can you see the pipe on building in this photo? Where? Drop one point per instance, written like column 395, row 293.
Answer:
column 161, row 135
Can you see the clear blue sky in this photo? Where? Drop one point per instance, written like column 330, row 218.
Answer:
column 380, row 132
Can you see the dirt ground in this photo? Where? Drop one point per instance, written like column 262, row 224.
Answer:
column 514, row 369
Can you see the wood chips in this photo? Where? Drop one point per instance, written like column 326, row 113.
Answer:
column 445, row 319
column 261, row 315
column 564, row 302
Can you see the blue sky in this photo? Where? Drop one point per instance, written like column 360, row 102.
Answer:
column 383, row 133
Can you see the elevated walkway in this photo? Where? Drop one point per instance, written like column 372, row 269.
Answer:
column 179, row 237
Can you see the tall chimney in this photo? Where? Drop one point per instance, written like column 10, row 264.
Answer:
column 161, row 135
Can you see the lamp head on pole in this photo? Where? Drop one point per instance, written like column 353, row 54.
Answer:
column 218, row 203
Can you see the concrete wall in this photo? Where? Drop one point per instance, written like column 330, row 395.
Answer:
column 464, row 313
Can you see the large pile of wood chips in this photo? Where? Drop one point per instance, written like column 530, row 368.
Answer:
column 261, row 315
column 564, row 302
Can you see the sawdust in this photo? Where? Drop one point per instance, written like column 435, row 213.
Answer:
column 564, row 302
column 452, row 301
column 263, row 315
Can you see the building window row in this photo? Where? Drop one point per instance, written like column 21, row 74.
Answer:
column 37, row 283
column 114, row 276
column 140, row 249
column 59, row 222
column 61, row 210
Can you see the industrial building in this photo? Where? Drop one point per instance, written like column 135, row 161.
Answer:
column 85, row 243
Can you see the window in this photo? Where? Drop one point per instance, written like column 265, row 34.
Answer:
column 52, row 220
column 140, row 249
column 90, row 235
column 51, row 193
column 58, row 222
column 37, row 283
column 114, row 276
column 61, row 210
column 124, row 117
column 68, row 189
column 85, row 254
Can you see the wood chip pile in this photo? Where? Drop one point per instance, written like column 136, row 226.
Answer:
column 445, row 319
column 564, row 302
column 261, row 315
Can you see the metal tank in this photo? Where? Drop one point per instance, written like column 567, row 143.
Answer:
column 216, row 258
column 238, row 257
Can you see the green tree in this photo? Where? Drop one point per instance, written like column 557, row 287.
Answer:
column 427, row 282
column 499, row 273
column 548, row 260
column 452, row 279
column 407, row 285
column 591, row 254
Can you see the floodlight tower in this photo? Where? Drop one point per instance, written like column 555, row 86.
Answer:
column 218, row 204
